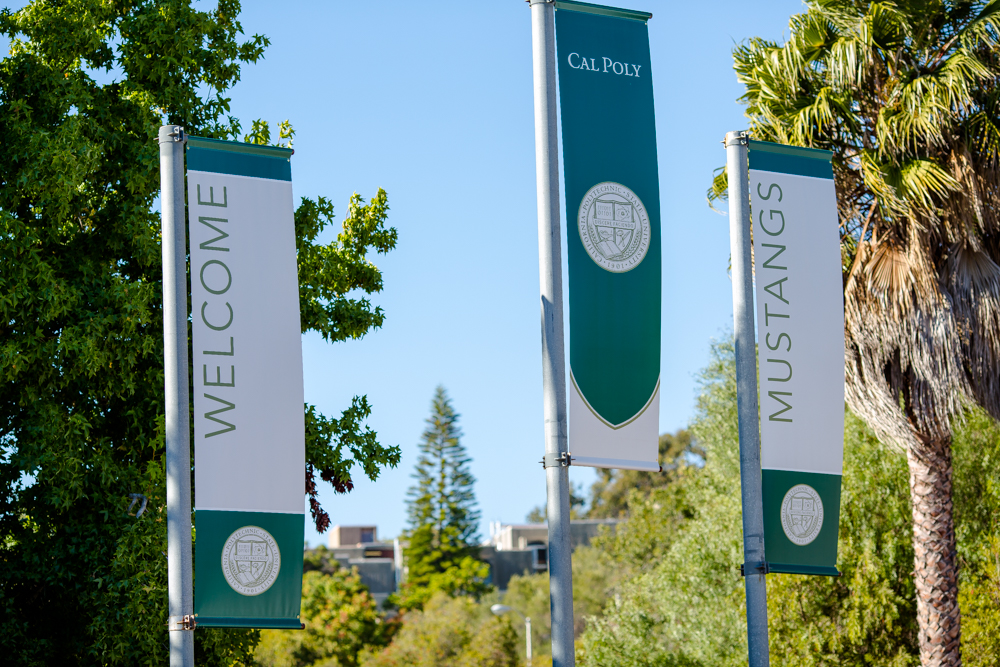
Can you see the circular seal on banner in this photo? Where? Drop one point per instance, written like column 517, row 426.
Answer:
column 801, row 514
column 251, row 560
column 614, row 227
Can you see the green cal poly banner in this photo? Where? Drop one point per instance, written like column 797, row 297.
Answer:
column 613, row 232
column 800, row 336
column 249, row 428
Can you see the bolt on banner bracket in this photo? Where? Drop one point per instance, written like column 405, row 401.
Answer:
column 563, row 460
column 737, row 138
column 754, row 568
column 181, row 623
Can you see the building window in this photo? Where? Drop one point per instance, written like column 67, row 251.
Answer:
column 367, row 535
column 539, row 556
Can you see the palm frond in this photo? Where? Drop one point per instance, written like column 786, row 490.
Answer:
column 720, row 188
column 984, row 30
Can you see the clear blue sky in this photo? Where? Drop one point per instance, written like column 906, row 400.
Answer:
column 433, row 102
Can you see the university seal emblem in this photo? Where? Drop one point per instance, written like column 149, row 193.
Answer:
column 251, row 560
column 614, row 227
column 801, row 514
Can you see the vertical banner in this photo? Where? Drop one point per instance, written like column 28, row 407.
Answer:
column 800, row 336
column 249, row 428
column 613, row 235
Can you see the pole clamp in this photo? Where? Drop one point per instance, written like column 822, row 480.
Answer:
column 754, row 568
column 181, row 623
column 563, row 460
column 178, row 133
column 738, row 139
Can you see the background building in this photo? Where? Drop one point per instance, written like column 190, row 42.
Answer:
column 358, row 546
column 512, row 549
column 523, row 548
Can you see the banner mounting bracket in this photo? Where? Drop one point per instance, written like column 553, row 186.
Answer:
column 563, row 460
column 181, row 623
column 754, row 568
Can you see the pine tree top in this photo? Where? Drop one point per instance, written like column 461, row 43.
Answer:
column 443, row 500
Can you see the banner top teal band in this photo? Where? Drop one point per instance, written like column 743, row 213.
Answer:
column 603, row 10
column 793, row 151
column 794, row 160
column 239, row 147
column 239, row 159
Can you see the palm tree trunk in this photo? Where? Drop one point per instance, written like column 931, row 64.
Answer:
column 935, row 570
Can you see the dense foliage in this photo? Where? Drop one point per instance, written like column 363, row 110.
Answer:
column 442, row 552
column 594, row 580
column 664, row 588
column 904, row 93
column 83, row 91
column 341, row 617
column 610, row 494
column 450, row 632
column 680, row 600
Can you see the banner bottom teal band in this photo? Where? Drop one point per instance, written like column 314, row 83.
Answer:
column 265, row 623
column 781, row 568
column 801, row 521
column 248, row 568
column 620, row 464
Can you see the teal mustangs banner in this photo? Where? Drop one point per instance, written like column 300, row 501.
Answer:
column 613, row 232
column 249, row 429
column 800, row 334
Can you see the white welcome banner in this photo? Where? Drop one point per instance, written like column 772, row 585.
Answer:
column 249, row 423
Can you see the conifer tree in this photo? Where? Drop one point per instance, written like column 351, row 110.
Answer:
column 443, row 534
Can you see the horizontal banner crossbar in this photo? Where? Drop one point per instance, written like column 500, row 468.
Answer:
column 603, row 10
column 791, row 151
column 235, row 622
column 802, row 569
column 246, row 509
column 621, row 464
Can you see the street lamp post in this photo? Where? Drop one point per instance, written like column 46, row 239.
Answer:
column 499, row 609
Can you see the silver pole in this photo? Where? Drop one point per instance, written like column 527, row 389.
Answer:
column 754, row 567
column 543, row 51
column 527, row 632
column 175, row 371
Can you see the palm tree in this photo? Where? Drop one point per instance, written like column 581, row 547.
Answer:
column 905, row 94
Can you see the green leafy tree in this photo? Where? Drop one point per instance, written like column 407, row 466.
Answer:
column 980, row 600
column 450, row 632
column 442, row 551
column 611, row 492
column 905, row 95
column 687, row 606
column 595, row 577
column 341, row 617
column 82, row 93
column 977, row 519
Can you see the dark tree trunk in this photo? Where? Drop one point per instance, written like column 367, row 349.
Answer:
column 935, row 569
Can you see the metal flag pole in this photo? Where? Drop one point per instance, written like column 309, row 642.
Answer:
column 754, row 567
column 556, row 461
column 175, row 371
